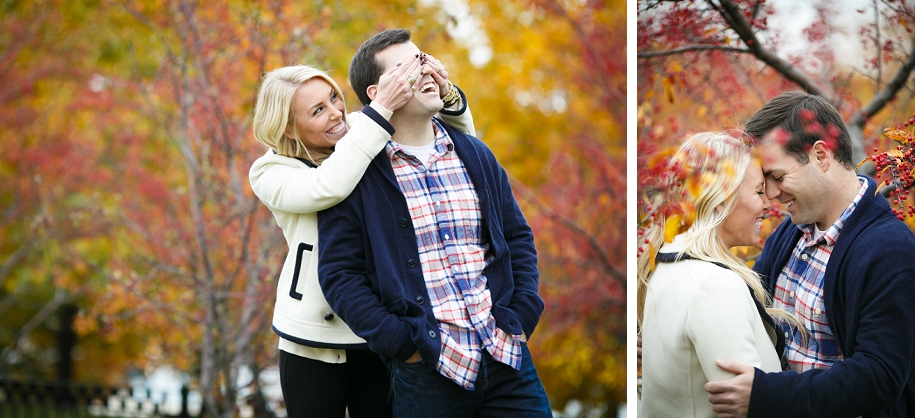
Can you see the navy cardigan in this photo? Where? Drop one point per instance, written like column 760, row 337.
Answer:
column 369, row 265
column 869, row 295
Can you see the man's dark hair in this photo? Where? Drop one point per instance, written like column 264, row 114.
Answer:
column 364, row 70
column 807, row 118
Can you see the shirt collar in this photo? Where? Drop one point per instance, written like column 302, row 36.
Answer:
column 443, row 143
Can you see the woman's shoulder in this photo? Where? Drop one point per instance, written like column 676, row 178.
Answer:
column 705, row 277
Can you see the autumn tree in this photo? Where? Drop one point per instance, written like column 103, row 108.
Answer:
column 724, row 57
column 128, row 143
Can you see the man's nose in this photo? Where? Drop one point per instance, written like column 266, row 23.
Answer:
column 772, row 191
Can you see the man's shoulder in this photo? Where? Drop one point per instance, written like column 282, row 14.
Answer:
column 459, row 137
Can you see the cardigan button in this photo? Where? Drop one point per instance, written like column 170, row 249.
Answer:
column 411, row 263
column 420, row 300
column 329, row 317
column 431, row 334
column 403, row 223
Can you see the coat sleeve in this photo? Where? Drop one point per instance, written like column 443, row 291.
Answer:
column 459, row 117
column 873, row 378
column 519, row 237
column 719, row 323
column 284, row 184
column 343, row 275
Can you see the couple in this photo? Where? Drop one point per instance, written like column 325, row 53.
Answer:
column 409, row 226
column 824, row 324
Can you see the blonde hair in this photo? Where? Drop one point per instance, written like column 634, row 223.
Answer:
column 714, row 164
column 274, row 113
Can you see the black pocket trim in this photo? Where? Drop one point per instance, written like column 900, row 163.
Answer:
column 298, row 268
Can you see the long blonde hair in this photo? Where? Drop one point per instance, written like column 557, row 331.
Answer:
column 714, row 165
column 274, row 113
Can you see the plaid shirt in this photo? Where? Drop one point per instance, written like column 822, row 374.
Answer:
column 446, row 217
column 799, row 290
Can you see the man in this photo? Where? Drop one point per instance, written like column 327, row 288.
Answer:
column 843, row 265
column 431, row 261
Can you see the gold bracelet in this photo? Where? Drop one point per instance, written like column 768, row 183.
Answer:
column 452, row 97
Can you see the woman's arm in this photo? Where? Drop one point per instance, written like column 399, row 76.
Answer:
column 720, row 323
column 459, row 115
column 285, row 184
column 288, row 185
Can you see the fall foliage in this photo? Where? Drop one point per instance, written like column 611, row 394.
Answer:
column 709, row 65
column 126, row 133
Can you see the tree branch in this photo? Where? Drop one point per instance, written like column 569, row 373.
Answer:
column 675, row 51
column 889, row 91
column 731, row 13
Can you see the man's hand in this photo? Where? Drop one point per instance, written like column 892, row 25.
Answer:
column 731, row 398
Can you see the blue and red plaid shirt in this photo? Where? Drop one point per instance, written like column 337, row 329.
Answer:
column 447, row 220
column 799, row 290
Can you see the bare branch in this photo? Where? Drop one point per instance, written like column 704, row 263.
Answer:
column 11, row 262
column 675, row 51
column 731, row 13
column 881, row 98
column 562, row 220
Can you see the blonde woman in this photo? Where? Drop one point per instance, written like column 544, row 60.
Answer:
column 697, row 301
column 316, row 154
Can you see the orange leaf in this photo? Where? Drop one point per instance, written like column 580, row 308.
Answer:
column 672, row 227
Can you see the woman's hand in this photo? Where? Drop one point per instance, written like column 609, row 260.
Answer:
column 394, row 88
column 438, row 72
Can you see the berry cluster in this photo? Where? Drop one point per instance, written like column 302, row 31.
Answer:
column 897, row 167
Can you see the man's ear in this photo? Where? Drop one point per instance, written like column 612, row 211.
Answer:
column 821, row 155
column 371, row 91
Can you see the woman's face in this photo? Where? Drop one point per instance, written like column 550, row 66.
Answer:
column 743, row 225
column 319, row 114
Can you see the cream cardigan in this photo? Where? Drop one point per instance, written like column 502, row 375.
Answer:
column 295, row 193
column 696, row 313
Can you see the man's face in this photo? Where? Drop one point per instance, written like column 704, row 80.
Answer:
column 426, row 100
column 801, row 188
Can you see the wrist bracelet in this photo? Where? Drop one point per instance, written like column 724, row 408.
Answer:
column 452, row 97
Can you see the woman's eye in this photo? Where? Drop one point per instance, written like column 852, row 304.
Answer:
column 318, row 110
column 333, row 97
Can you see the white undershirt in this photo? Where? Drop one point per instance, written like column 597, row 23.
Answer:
column 421, row 153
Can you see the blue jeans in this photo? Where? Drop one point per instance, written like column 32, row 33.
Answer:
column 418, row 390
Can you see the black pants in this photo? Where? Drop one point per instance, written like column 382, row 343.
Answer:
column 313, row 388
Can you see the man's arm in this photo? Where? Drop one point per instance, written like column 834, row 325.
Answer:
column 869, row 381
column 525, row 300
column 342, row 272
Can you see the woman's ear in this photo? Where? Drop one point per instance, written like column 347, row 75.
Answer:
column 290, row 131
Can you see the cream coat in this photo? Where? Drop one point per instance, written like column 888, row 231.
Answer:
column 696, row 313
column 295, row 192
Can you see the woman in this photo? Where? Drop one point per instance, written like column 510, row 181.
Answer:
column 697, row 301
column 316, row 155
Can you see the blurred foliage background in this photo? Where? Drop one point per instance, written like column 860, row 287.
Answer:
column 130, row 239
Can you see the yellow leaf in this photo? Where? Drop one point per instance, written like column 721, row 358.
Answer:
column 899, row 135
column 675, row 67
column 672, row 227
column 651, row 257
column 668, row 89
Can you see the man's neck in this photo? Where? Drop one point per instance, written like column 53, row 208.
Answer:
column 846, row 188
column 412, row 130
